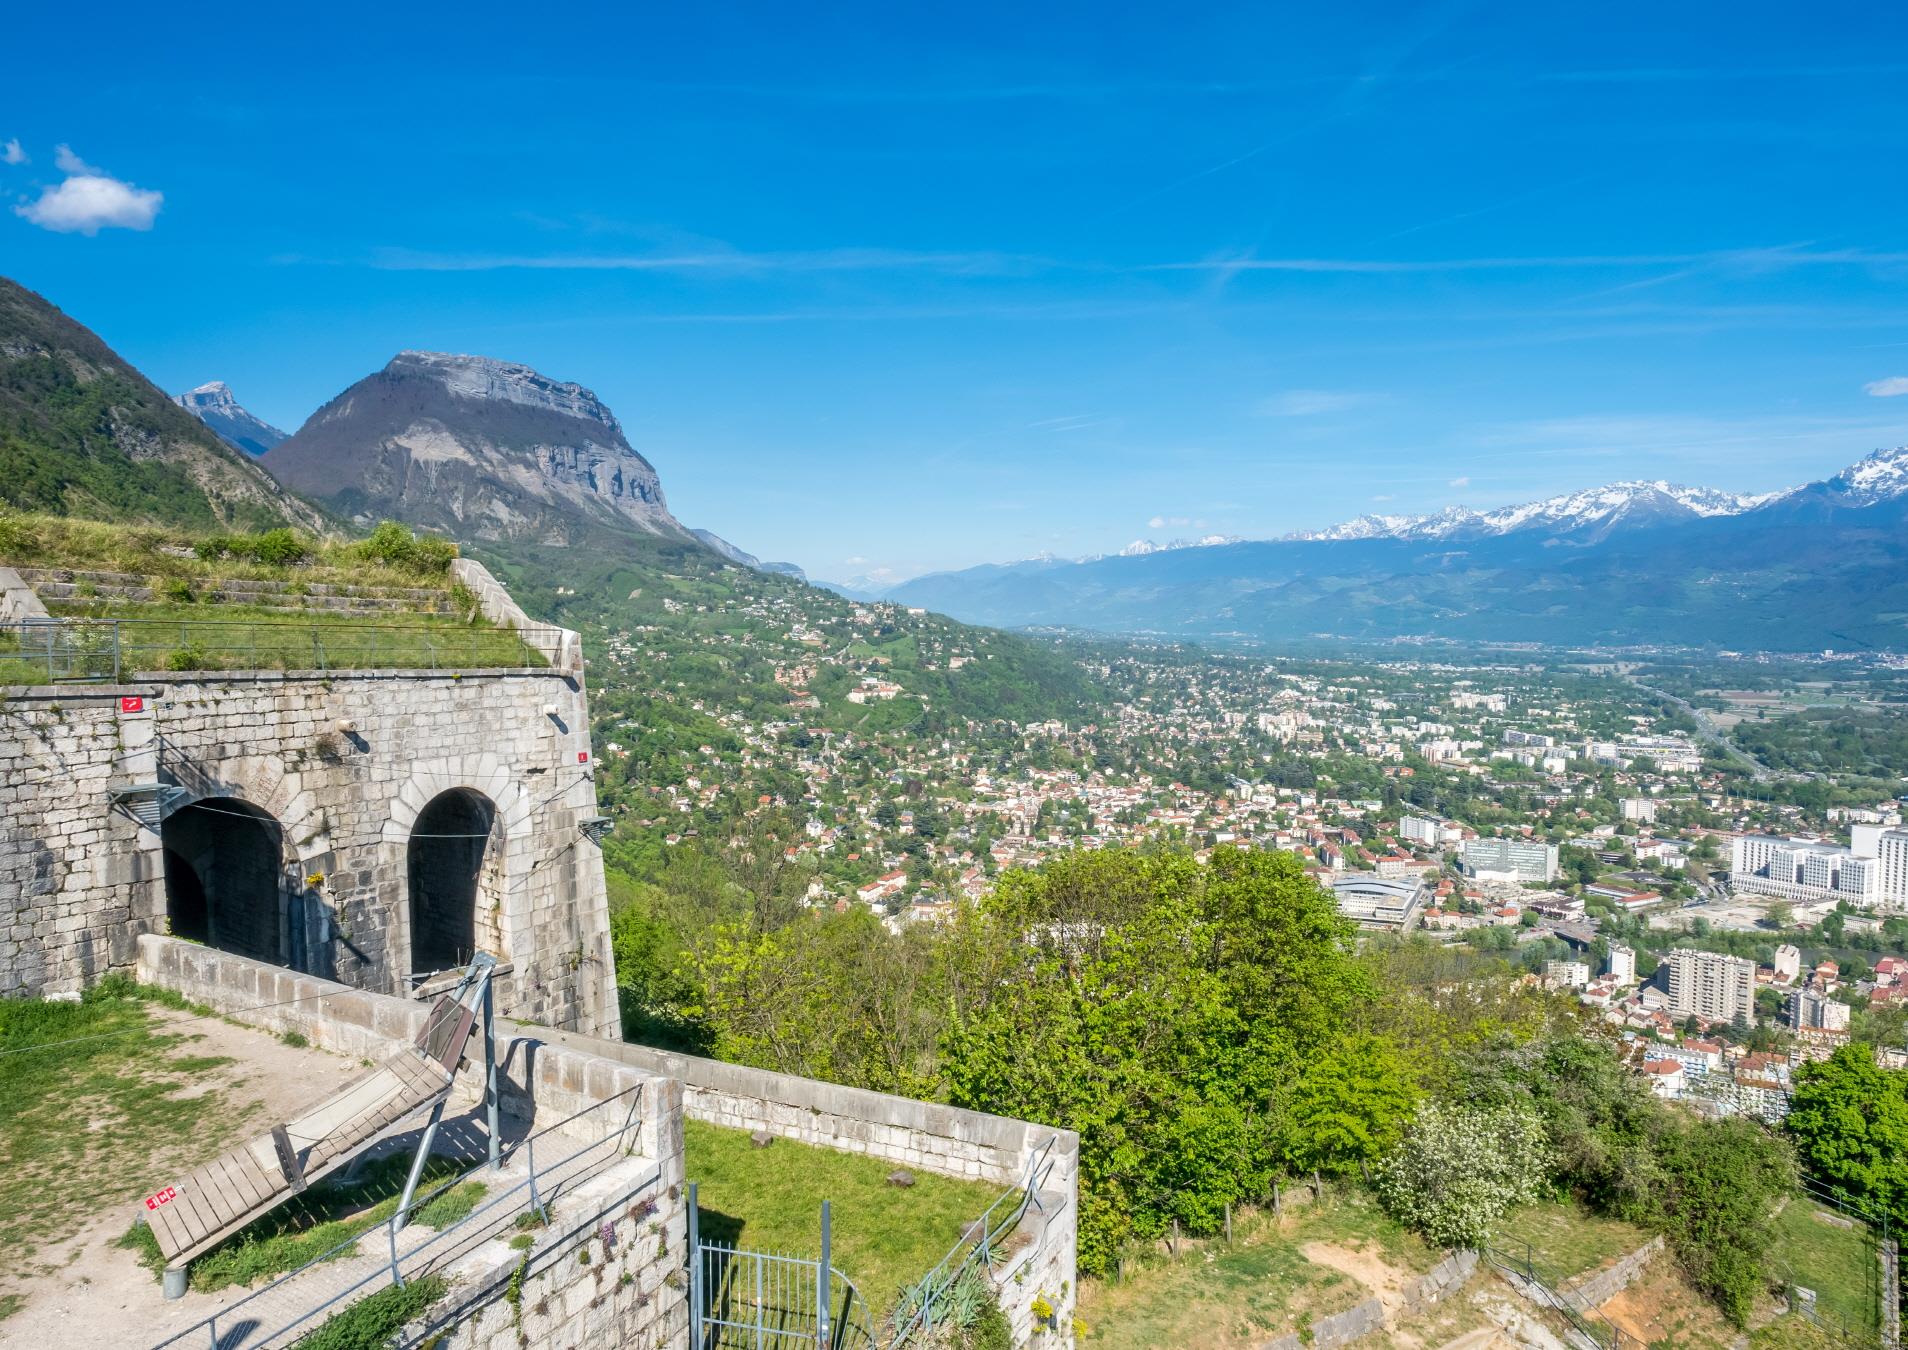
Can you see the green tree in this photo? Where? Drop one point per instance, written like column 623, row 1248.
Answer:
column 1849, row 1118
column 1350, row 1107
column 1719, row 1182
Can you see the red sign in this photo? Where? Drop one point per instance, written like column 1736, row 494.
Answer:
column 132, row 703
column 582, row 757
column 165, row 1197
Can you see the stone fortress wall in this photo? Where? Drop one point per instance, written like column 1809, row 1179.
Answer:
column 365, row 826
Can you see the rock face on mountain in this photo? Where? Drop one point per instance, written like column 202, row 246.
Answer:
column 477, row 447
column 83, row 433
column 736, row 555
column 214, row 405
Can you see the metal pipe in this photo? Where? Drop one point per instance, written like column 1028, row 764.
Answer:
column 399, row 1219
column 695, row 1273
column 822, row 1338
column 490, row 1073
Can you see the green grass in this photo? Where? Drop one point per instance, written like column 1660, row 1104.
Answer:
column 1216, row 1297
column 192, row 636
column 312, row 1224
column 1567, row 1240
column 1839, row 1264
column 769, row 1199
column 91, row 1111
column 372, row 1323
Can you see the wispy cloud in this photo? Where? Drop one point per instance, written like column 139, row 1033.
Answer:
column 11, row 153
column 1892, row 387
column 1462, row 481
column 1311, row 402
column 1080, row 422
column 1750, row 259
column 712, row 260
column 89, row 200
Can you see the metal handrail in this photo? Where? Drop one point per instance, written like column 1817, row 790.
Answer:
column 209, row 1325
column 976, row 1242
column 1580, row 1318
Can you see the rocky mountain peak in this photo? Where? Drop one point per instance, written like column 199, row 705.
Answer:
column 214, row 404
column 486, row 377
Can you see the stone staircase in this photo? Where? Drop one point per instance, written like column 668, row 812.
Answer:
column 72, row 586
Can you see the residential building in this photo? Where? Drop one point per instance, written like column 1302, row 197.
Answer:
column 1804, row 869
column 1622, row 964
column 1812, row 1010
column 1712, row 986
column 1788, row 963
column 1641, row 809
column 1567, row 974
column 1418, row 830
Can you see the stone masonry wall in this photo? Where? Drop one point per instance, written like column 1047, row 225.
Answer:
column 923, row 1135
column 343, row 763
column 626, row 1290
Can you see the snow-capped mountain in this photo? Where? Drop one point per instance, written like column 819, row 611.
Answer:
column 1591, row 511
column 1878, row 477
column 214, row 405
column 1140, row 548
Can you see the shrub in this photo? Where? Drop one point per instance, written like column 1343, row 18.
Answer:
column 1460, row 1169
column 395, row 546
column 278, row 548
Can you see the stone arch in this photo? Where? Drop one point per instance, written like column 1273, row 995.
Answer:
column 224, row 877
column 501, row 914
column 454, row 873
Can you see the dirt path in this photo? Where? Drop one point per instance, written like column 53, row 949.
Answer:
column 92, row 1295
column 1365, row 1266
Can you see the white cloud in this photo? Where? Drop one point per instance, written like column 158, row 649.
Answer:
column 1892, row 387
column 69, row 163
column 1309, row 402
column 1171, row 522
column 1459, row 483
column 1386, row 497
column 11, row 153
column 90, row 200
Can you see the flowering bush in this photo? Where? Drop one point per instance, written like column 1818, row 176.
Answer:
column 1459, row 1169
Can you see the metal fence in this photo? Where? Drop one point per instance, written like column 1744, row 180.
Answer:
column 924, row 1303
column 247, row 1320
column 750, row 1300
column 1881, row 1276
column 109, row 650
column 1586, row 1321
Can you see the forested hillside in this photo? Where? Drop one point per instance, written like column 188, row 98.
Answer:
column 83, row 433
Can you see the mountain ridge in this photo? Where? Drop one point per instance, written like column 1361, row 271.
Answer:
column 1822, row 565
column 214, row 404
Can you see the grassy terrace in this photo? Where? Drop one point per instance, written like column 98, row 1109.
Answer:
column 143, row 599
column 1818, row 1249
column 1565, row 1241
column 769, row 1199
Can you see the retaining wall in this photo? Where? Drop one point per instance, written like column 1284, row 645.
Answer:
column 1594, row 1290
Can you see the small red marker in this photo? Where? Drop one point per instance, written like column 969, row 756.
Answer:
column 582, row 757
column 132, row 703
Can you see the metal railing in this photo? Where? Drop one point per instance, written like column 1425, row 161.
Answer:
column 109, row 650
column 241, row 1318
column 1586, row 1321
column 752, row 1300
column 914, row 1315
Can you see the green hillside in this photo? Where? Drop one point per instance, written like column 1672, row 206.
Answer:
column 82, row 433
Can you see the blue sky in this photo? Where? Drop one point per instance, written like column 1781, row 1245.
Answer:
column 890, row 289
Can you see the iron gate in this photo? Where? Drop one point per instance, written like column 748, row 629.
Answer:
column 748, row 1300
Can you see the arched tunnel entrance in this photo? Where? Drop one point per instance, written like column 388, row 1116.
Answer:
column 222, row 877
column 455, row 866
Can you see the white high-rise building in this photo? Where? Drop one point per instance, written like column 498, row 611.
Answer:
column 1808, row 869
column 1525, row 859
column 1419, row 830
column 1711, row 985
column 1811, row 1010
column 1567, row 974
column 1788, row 963
column 1637, row 808
column 1622, row 964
